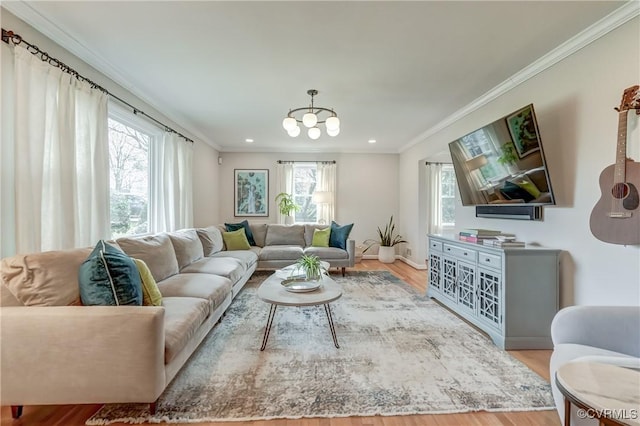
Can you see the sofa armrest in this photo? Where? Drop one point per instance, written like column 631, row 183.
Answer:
column 81, row 354
column 615, row 328
column 351, row 250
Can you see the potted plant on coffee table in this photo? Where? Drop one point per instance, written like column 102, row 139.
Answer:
column 311, row 266
column 286, row 205
column 387, row 242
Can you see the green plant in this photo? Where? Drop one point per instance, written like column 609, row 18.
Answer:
column 508, row 154
column 386, row 238
column 286, row 205
column 311, row 266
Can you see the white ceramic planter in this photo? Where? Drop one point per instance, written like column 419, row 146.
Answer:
column 387, row 254
column 288, row 220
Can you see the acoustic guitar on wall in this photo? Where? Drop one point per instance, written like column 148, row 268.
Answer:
column 615, row 218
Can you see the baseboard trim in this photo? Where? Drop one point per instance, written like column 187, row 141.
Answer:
column 409, row 262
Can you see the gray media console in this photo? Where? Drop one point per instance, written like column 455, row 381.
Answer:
column 512, row 294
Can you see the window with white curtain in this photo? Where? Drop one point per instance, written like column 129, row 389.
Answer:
column 447, row 196
column 130, row 142
column 304, row 185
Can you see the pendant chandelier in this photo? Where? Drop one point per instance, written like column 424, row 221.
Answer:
column 312, row 116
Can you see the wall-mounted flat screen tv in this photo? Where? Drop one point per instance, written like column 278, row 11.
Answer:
column 503, row 163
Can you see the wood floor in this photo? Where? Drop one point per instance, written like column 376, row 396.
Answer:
column 538, row 361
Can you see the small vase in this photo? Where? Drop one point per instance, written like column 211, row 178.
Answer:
column 387, row 254
column 288, row 220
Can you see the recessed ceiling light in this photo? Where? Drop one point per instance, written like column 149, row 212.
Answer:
column 248, row 140
column 372, row 141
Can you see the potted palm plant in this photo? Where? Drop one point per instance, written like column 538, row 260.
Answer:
column 387, row 242
column 286, row 205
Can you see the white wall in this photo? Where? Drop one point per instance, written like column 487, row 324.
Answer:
column 574, row 103
column 367, row 187
column 205, row 166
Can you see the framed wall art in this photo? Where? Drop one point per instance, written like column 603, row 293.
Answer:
column 523, row 129
column 251, row 192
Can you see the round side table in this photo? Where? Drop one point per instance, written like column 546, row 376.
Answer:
column 605, row 392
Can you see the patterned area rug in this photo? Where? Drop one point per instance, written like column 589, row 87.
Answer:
column 400, row 353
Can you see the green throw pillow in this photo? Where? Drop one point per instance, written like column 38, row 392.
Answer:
column 242, row 225
column 339, row 235
column 321, row 237
column 236, row 240
column 151, row 295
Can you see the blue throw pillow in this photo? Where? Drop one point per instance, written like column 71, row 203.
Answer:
column 247, row 230
column 339, row 235
column 109, row 278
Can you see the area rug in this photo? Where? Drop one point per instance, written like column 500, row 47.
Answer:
column 400, row 353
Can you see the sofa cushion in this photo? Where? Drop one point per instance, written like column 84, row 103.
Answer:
column 259, row 231
column 108, row 277
column 339, row 235
column 187, row 246
column 227, row 267
column 43, row 279
column 242, row 225
column 281, row 252
column 321, row 237
column 290, row 235
column 213, row 288
column 156, row 251
column 309, row 229
column 327, row 253
column 211, row 239
column 182, row 318
column 236, row 240
column 151, row 295
column 247, row 257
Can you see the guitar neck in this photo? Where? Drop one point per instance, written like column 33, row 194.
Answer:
column 621, row 151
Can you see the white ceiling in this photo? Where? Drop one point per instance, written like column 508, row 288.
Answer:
column 227, row 71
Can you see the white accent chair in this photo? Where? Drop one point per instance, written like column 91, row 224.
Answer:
column 609, row 334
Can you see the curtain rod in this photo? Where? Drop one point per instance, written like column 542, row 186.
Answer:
column 431, row 162
column 10, row 37
column 316, row 162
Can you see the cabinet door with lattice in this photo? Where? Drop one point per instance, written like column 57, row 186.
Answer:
column 467, row 287
column 490, row 297
column 449, row 277
column 435, row 272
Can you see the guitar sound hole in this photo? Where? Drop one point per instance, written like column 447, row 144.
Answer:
column 620, row 190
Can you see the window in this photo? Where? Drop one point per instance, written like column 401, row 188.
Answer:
column 448, row 193
column 304, row 185
column 129, row 164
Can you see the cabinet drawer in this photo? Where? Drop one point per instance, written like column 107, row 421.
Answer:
column 490, row 260
column 461, row 252
column 435, row 245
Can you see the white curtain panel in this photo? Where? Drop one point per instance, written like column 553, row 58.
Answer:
column 60, row 149
column 326, row 181
column 284, row 183
column 434, row 198
column 172, row 194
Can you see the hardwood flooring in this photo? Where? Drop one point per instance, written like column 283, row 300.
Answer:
column 538, row 361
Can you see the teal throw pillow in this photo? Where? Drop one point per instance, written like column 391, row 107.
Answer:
column 321, row 237
column 247, row 230
column 339, row 235
column 108, row 277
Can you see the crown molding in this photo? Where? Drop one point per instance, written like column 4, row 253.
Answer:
column 618, row 17
column 28, row 13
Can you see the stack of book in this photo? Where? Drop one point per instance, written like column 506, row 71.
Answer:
column 474, row 235
column 503, row 243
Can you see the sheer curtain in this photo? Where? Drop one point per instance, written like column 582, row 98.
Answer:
column 326, row 181
column 434, row 198
column 284, row 183
column 58, row 141
column 172, row 188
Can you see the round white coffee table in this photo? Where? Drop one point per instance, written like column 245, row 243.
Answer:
column 272, row 291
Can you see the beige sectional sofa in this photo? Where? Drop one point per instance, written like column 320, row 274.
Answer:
column 55, row 351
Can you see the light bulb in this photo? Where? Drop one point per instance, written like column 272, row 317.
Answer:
column 309, row 119
column 294, row 132
column 289, row 123
column 333, row 132
column 332, row 123
column 314, row 133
